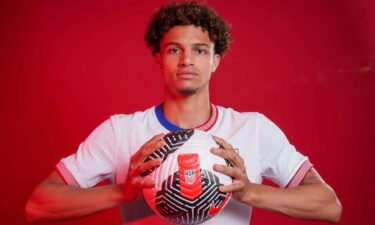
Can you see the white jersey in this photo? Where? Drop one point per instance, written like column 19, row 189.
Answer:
column 106, row 153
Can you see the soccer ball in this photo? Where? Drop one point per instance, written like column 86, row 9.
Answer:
column 186, row 190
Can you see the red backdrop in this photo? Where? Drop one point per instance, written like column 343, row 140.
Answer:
column 66, row 66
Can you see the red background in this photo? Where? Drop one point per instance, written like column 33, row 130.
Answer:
column 66, row 66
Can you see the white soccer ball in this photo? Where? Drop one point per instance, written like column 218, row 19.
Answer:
column 186, row 190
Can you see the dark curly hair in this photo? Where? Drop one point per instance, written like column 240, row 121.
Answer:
column 188, row 13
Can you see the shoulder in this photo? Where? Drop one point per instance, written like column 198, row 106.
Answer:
column 230, row 113
column 256, row 120
column 138, row 116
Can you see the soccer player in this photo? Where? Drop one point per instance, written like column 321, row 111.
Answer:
column 188, row 41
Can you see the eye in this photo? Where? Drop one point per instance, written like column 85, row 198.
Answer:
column 173, row 50
column 202, row 51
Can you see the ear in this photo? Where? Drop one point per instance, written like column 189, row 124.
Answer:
column 216, row 62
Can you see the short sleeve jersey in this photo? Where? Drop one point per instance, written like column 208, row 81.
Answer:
column 106, row 153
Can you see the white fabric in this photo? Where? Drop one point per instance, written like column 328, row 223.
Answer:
column 106, row 153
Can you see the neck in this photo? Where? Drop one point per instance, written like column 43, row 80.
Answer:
column 187, row 111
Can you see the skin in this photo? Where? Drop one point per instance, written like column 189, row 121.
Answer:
column 323, row 203
column 187, row 60
column 53, row 200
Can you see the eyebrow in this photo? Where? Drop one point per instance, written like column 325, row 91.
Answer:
column 178, row 44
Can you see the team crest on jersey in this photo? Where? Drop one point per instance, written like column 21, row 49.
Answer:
column 190, row 176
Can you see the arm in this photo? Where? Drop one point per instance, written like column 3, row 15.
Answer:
column 53, row 200
column 313, row 199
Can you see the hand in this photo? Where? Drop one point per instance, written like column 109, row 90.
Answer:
column 241, row 183
column 134, row 181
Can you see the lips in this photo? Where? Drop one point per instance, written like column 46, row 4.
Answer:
column 186, row 75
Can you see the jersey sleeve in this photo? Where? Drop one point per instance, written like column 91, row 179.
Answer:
column 95, row 158
column 279, row 160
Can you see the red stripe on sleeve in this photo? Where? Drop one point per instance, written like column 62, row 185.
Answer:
column 66, row 175
column 300, row 174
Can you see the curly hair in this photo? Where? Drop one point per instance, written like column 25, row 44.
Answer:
column 188, row 13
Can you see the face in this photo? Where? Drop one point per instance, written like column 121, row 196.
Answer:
column 187, row 59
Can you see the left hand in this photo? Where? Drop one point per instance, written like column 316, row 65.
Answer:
column 241, row 183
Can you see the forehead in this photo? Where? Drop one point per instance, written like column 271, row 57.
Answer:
column 186, row 35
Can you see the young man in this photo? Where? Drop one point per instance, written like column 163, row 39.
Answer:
column 187, row 40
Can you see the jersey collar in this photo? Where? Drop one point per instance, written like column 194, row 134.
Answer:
column 172, row 127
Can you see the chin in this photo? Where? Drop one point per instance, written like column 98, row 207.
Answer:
column 187, row 91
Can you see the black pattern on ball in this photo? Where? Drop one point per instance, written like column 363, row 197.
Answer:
column 178, row 209
column 173, row 141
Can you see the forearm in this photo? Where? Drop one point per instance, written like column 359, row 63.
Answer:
column 52, row 202
column 314, row 201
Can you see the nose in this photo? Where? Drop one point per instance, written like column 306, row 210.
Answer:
column 186, row 59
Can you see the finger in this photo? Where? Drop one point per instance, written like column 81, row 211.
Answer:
column 139, row 165
column 148, row 166
column 230, row 171
column 146, row 151
column 232, row 187
column 140, row 182
column 223, row 143
column 154, row 139
column 234, row 158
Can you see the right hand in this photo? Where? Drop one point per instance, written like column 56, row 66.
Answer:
column 134, row 182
